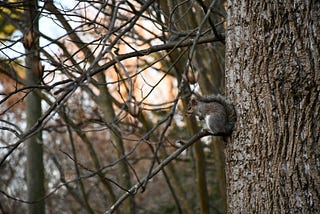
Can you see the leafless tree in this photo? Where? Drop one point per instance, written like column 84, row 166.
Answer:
column 114, row 79
column 273, row 61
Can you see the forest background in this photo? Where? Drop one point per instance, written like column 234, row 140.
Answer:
column 107, row 85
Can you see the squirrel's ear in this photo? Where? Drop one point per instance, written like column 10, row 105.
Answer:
column 191, row 105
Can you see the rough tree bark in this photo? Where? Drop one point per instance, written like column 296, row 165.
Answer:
column 273, row 77
column 35, row 168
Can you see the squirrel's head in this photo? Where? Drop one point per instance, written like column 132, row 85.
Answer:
column 191, row 106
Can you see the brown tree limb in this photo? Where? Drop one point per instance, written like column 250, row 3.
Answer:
column 134, row 189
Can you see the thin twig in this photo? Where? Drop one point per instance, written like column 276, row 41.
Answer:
column 134, row 189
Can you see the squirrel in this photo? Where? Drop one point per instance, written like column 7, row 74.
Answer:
column 218, row 113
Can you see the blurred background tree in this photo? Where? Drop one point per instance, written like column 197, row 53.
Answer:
column 115, row 84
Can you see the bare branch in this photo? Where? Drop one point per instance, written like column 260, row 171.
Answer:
column 134, row 189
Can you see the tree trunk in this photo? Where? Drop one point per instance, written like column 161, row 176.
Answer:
column 273, row 77
column 116, row 138
column 35, row 168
